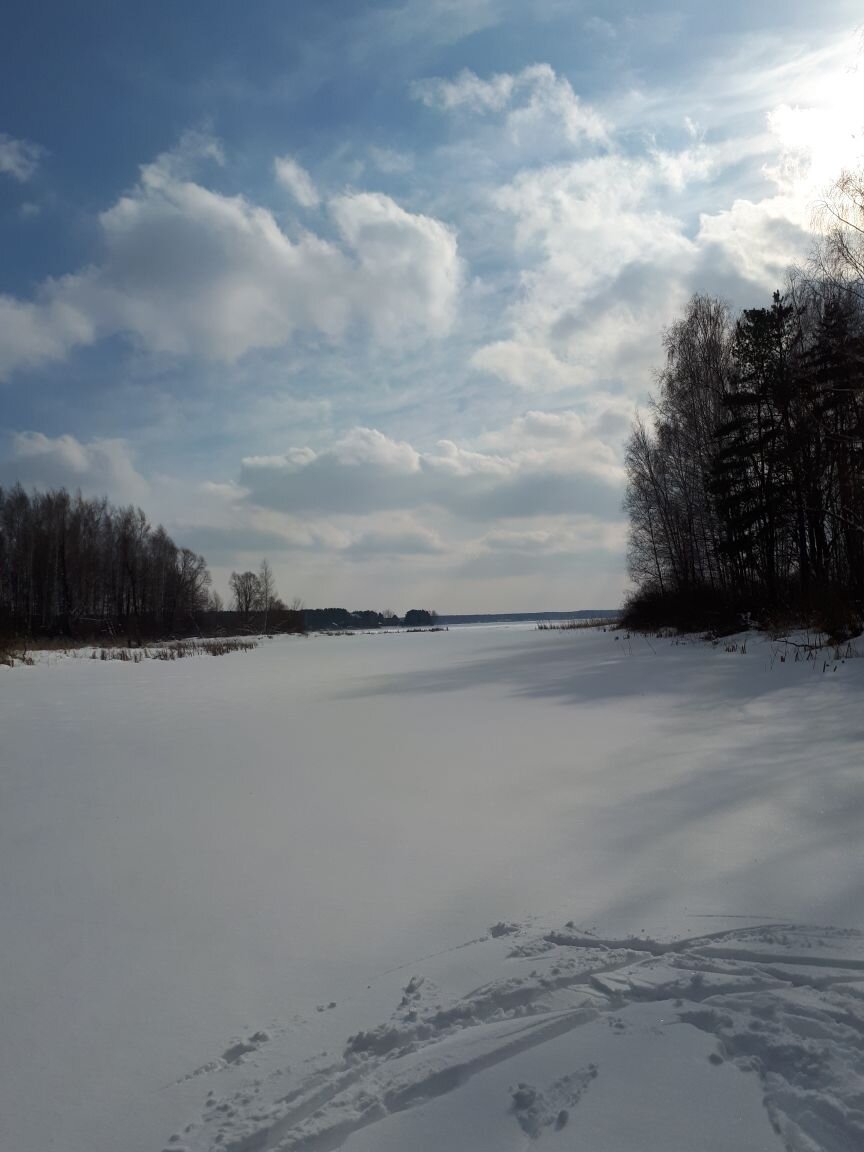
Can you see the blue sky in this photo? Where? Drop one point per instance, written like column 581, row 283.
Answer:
column 374, row 290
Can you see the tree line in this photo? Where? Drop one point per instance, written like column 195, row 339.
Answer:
column 745, row 488
column 340, row 619
column 74, row 565
column 254, row 597
column 85, row 569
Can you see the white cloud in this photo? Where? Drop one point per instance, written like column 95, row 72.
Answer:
column 543, row 489
column 540, row 464
column 43, row 330
column 531, row 367
column 368, row 446
column 534, row 504
column 552, row 106
column 656, row 198
column 408, row 273
column 588, row 225
column 603, row 268
column 98, row 467
column 563, row 442
column 297, row 181
column 187, row 270
column 759, row 240
column 539, row 100
column 467, row 91
column 19, row 158
column 609, row 252
column 181, row 162
column 593, row 216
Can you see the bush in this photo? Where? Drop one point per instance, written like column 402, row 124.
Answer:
column 829, row 610
column 837, row 615
column 696, row 609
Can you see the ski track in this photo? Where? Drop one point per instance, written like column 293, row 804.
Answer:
column 784, row 1003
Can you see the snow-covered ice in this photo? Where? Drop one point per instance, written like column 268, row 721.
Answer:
column 483, row 889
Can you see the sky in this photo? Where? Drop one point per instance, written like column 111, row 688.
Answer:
column 375, row 289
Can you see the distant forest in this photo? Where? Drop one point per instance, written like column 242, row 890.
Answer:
column 745, row 488
column 84, row 569
column 73, row 566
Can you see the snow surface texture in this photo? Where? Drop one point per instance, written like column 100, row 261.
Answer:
column 317, row 896
column 784, row 1005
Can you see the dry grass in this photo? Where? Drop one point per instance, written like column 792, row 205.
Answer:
column 603, row 622
column 818, row 650
column 178, row 650
column 12, row 654
column 732, row 646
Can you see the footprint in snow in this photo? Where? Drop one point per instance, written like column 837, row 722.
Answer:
column 536, row 1110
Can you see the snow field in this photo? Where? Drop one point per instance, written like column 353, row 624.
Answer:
column 216, row 873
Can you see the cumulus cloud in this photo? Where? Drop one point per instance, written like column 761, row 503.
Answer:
column 19, row 158
column 187, row 270
column 538, row 498
column 543, row 489
column 589, row 226
column 45, row 329
column 759, row 241
column 194, row 149
column 593, row 216
column 530, row 367
column 612, row 235
column 603, row 268
column 96, row 466
column 408, row 271
column 608, row 251
column 297, row 181
column 540, row 464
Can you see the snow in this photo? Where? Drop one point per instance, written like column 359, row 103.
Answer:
column 479, row 889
